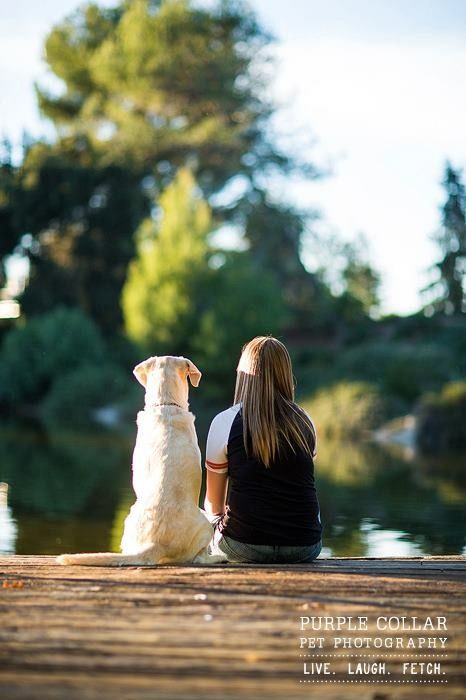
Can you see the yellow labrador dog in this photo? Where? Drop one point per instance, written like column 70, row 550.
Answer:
column 165, row 524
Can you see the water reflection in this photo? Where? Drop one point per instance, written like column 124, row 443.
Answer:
column 64, row 486
column 72, row 492
column 378, row 502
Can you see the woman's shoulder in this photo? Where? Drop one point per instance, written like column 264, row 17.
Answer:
column 228, row 413
column 226, row 417
column 219, row 431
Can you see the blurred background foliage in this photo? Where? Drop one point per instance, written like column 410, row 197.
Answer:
column 149, row 227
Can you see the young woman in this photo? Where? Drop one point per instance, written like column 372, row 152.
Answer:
column 261, row 494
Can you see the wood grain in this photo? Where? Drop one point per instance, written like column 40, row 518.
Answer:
column 212, row 632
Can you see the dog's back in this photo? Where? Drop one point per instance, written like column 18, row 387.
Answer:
column 165, row 524
column 167, row 479
column 166, row 436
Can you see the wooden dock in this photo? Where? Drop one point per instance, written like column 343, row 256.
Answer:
column 227, row 632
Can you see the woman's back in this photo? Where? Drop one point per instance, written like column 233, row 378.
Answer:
column 260, row 480
column 274, row 505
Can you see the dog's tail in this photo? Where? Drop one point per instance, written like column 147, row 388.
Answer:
column 102, row 559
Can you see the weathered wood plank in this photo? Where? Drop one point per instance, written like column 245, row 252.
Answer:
column 209, row 632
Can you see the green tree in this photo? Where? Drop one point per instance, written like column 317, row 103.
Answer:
column 155, row 83
column 344, row 268
column 163, row 289
column 148, row 86
column 449, row 291
column 183, row 295
column 274, row 232
column 242, row 302
column 361, row 280
column 80, row 222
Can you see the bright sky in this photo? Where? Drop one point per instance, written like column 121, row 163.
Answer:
column 378, row 84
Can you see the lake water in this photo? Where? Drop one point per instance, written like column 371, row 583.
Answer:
column 71, row 491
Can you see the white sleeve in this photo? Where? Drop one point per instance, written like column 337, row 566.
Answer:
column 217, row 442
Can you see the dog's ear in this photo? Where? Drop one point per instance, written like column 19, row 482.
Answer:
column 193, row 373
column 142, row 369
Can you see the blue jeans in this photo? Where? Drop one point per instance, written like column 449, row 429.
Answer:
column 264, row 553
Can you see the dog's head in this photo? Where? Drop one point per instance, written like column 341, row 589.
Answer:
column 165, row 378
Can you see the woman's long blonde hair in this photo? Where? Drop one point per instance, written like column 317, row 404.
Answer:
column 265, row 389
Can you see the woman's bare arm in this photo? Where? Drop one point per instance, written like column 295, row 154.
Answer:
column 216, row 492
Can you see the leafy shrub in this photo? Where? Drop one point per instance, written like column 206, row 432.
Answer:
column 346, row 409
column 75, row 396
column 45, row 348
column 405, row 370
column 441, row 423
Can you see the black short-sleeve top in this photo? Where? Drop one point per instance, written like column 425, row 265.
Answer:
column 275, row 505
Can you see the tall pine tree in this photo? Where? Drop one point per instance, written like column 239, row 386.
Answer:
column 449, row 290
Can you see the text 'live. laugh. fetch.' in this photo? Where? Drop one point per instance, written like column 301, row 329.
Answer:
column 370, row 650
